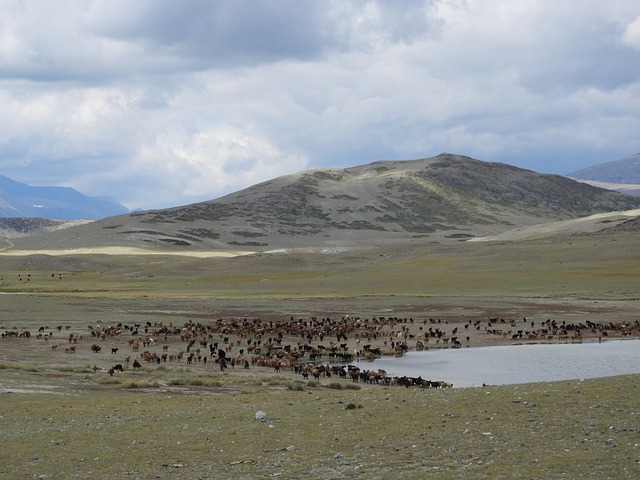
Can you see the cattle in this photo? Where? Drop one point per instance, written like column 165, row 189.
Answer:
column 282, row 344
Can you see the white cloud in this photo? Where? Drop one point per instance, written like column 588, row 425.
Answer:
column 221, row 159
column 159, row 103
column 631, row 34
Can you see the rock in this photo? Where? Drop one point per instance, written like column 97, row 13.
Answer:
column 261, row 416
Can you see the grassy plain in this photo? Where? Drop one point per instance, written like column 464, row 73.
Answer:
column 141, row 425
column 60, row 419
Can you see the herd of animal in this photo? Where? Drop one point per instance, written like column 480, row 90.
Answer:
column 317, row 347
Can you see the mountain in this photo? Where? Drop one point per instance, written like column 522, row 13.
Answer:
column 446, row 199
column 628, row 188
column 59, row 203
column 626, row 170
column 621, row 175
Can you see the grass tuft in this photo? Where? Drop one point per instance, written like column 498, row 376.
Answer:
column 144, row 384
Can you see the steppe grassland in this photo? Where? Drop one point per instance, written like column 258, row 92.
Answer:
column 581, row 267
column 70, row 422
column 142, row 427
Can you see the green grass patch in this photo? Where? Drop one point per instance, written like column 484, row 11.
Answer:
column 110, row 381
column 195, row 382
column 343, row 386
column 142, row 384
column 571, row 429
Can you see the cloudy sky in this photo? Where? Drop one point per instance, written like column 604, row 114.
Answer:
column 160, row 103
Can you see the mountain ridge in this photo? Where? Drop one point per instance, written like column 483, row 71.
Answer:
column 447, row 198
column 625, row 171
column 19, row 200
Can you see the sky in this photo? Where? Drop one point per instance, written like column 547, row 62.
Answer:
column 160, row 103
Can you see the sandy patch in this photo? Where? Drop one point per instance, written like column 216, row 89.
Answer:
column 124, row 251
column 590, row 224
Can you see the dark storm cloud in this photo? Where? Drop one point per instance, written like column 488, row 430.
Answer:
column 223, row 33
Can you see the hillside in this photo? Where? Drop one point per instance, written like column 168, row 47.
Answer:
column 611, row 222
column 444, row 199
column 54, row 203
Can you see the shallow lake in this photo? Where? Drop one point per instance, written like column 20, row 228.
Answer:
column 512, row 364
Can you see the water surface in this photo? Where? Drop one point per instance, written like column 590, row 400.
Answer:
column 512, row 364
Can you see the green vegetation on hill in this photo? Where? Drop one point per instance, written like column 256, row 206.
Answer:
column 383, row 203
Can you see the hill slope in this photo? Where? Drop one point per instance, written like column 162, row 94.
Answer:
column 56, row 203
column 446, row 198
column 610, row 222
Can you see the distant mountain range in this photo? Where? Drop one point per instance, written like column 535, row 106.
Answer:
column 445, row 199
column 621, row 175
column 59, row 203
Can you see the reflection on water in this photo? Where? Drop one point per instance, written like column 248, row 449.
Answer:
column 512, row 364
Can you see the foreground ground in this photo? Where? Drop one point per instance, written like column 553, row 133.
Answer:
column 161, row 423
column 62, row 415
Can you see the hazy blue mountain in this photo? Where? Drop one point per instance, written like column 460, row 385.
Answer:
column 59, row 203
column 626, row 170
